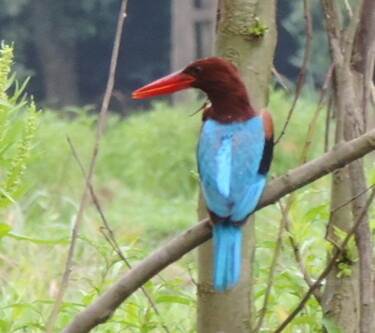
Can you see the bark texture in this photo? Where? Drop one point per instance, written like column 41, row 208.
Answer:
column 340, row 301
column 363, row 71
column 246, row 33
column 351, row 304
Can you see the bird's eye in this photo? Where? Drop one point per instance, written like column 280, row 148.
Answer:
column 196, row 70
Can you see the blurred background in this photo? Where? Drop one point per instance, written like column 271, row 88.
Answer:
column 65, row 45
column 146, row 178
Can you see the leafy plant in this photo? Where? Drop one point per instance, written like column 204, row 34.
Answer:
column 145, row 185
column 17, row 129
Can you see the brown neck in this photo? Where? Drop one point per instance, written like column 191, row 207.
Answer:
column 231, row 106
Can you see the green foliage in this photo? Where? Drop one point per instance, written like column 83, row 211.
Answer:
column 146, row 185
column 4, row 229
column 295, row 24
column 17, row 129
column 6, row 53
column 289, row 149
column 307, row 231
column 159, row 145
column 258, row 29
column 330, row 326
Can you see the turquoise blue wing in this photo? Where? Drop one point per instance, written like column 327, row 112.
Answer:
column 229, row 157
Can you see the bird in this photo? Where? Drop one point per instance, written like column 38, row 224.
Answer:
column 234, row 154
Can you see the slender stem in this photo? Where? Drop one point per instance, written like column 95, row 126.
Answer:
column 109, row 235
column 328, row 268
column 85, row 196
column 327, row 132
column 271, row 273
column 313, row 123
column 297, row 252
column 302, row 74
column 333, row 210
column 302, row 160
column 280, row 78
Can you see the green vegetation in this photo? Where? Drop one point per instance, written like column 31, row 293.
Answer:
column 258, row 29
column 146, row 182
column 17, row 128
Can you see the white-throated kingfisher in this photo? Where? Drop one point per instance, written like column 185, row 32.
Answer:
column 234, row 155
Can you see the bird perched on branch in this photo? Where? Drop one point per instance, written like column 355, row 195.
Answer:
column 234, row 154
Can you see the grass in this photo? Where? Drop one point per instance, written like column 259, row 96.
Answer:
column 147, row 185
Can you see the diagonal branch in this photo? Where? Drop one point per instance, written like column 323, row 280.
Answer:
column 99, row 311
column 109, row 234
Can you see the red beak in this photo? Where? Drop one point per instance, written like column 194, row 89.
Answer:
column 166, row 85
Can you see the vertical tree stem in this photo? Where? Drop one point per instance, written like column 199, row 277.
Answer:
column 86, row 193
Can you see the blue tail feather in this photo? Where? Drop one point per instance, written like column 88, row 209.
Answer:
column 227, row 248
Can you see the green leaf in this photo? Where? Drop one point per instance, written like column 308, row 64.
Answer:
column 4, row 326
column 39, row 241
column 26, row 327
column 317, row 212
column 310, row 320
column 330, row 326
column 19, row 89
column 173, row 299
column 4, row 229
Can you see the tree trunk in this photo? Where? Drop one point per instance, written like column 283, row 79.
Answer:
column 363, row 71
column 351, row 305
column 239, row 41
column 56, row 56
column 192, row 36
column 340, row 298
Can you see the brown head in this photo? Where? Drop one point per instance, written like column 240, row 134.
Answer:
column 218, row 78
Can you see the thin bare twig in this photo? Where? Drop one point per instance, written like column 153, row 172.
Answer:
column 192, row 279
column 297, row 252
column 271, row 274
column 100, row 127
column 367, row 83
column 302, row 74
column 302, row 160
column 312, row 125
column 350, row 32
column 280, row 78
column 352, row 199
column 109, row 235
column 328, row 124
column 328, row 268
column 348, row 8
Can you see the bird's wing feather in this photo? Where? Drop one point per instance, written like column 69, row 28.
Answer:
column 229, row 156
column 246, row 183
column 223, row 159
column 268, row 148
column 214, row 164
